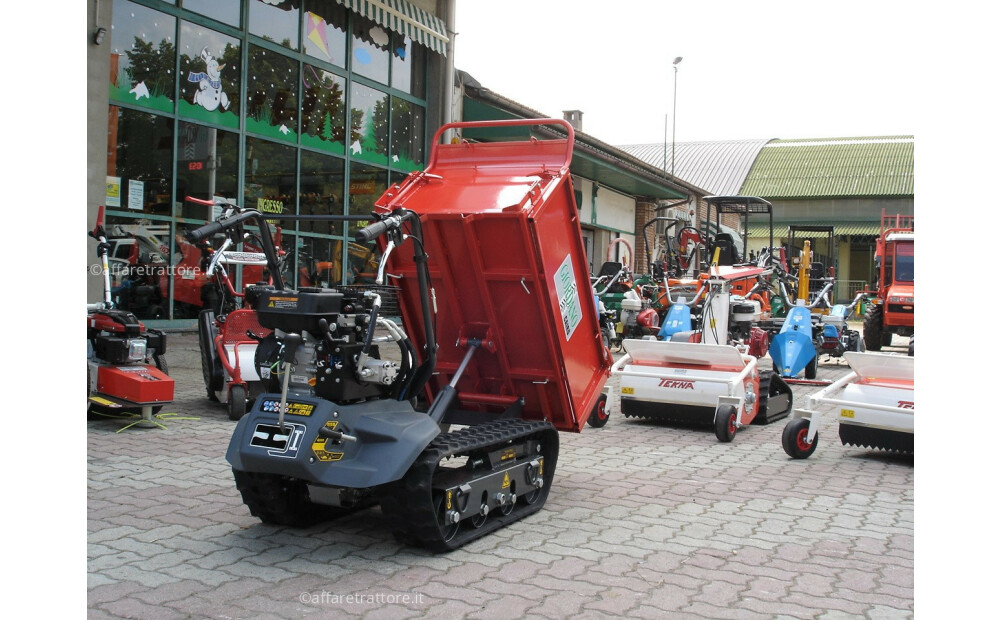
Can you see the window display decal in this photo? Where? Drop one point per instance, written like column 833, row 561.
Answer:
column 369, row 119
column 272, row 100
column 210, row 76
column 316, row 33
column 140, row 91
column 142, row 57
column 209, row 94
column 323, row 108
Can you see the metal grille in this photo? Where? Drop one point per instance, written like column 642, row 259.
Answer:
column 238, row 322
column 389, row 295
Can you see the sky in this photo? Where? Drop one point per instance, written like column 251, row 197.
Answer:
column 750, row 70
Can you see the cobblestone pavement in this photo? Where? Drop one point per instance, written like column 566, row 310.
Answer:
column 643, row 521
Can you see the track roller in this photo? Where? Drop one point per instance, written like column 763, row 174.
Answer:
column 473, row 481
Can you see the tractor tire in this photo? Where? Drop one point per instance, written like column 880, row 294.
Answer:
column 873, row 328
column 725, row 423
column 237, row 405
column 599, row 416
column 811, row 367
column 211, row 368
column 886, row 338
column 793, row 439
column 909, row 349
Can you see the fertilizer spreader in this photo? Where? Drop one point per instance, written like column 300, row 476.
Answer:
column 873, row 404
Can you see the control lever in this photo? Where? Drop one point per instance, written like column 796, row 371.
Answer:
column 291, row 344
column 336, row 436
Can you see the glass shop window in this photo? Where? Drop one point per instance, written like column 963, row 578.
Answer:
column 318, row 261
column 138, row 263
column 370, row 50
column 323, row 110
column 324, row 31
column 207, row 168
column 209, row 76
column 225, row 11
column 142, row 56
column 321, row 192
column 369, row 124
column 269, row 185
column 276, row 21
column 407, row 135
column 367, row 184
column 272, row 99
column 408, row 66
column 139, row 166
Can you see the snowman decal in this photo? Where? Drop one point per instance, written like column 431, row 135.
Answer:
column 209, row 94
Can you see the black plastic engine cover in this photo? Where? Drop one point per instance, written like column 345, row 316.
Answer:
column 298, row 311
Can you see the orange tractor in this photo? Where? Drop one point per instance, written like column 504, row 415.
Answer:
column 890, row 306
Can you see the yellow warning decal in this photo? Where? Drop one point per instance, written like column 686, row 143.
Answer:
column 447, row 500
column 103, row 401
column 506, row 479
column 302, row 409
column 628, row 390
column 319, row 445
column 847, row 413
column 508, row 454
column 541, row 467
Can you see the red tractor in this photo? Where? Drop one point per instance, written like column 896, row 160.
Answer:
column 890, row 309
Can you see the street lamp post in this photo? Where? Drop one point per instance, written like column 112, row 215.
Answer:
column 673, row 141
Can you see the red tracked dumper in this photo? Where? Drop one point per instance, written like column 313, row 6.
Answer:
column 499, row 335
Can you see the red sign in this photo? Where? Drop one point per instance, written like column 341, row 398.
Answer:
column 679, row 385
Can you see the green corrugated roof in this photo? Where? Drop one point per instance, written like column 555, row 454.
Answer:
column 759, row 231
column 836, row 167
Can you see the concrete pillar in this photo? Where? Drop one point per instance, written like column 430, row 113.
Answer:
column 98, row 71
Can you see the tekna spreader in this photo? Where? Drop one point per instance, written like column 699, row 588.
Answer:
column 873, row 404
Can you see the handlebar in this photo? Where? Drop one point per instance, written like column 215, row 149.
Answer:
column 212, row 228
column 379, row 228
column 206, row 231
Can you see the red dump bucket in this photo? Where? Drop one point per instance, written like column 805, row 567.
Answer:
column 508, row 265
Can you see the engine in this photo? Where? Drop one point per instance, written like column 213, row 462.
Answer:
column 336, row 355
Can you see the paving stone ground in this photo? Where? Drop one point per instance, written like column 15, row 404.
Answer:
column 643, row 521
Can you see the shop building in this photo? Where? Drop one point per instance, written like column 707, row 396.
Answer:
column 292, row 107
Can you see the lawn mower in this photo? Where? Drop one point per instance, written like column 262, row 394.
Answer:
column 228, row 335
column 499, row 336
column 126, row 370
column 709, row 376
column 874, row 404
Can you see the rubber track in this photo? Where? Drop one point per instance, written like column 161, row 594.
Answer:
column 409, row 503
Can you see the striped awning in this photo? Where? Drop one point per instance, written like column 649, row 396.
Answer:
column 840, row 229
column 402, row 17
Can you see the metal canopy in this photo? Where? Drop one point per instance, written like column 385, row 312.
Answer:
column 743, row 206
column 739, row 204
column 404, row 18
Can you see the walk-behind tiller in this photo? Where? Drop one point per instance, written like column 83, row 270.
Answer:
column 229, row 339
column 708, row 377
column 126, row 371
column 499, row 334
column 874, row 405
column 808, row 331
